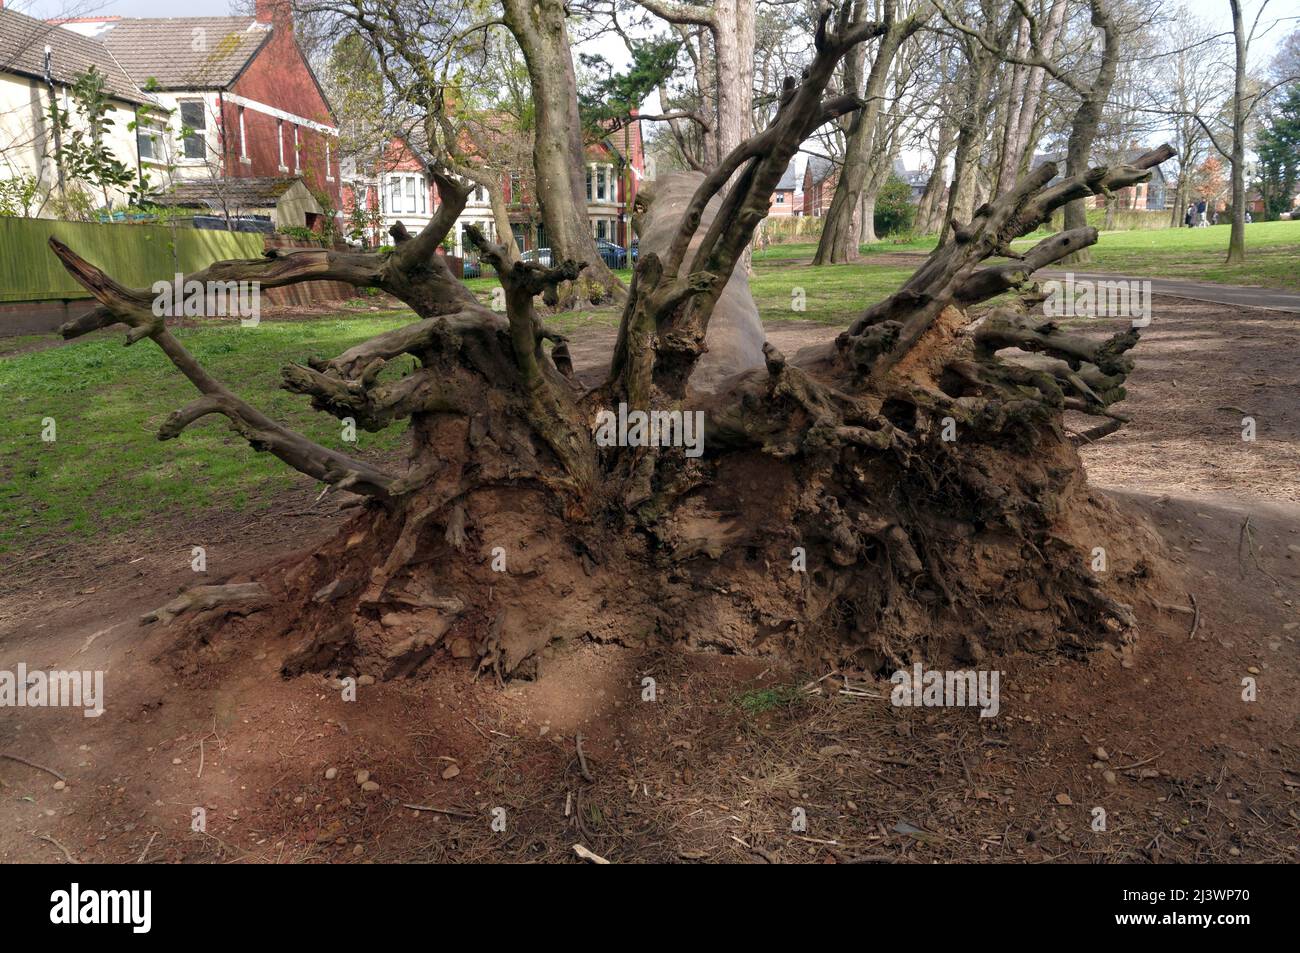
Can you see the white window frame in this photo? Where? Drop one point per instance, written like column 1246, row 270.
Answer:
column 297, row 152
column 243, row 140
column 279, row 135
column 200, row 132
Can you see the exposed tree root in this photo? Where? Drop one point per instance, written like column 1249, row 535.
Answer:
column 908, row 492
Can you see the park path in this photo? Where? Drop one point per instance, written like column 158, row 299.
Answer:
column 1235, row 295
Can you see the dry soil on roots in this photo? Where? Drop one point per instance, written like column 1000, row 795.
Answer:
column 712, row 769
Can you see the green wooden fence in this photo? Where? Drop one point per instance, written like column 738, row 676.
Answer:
column 135, row 255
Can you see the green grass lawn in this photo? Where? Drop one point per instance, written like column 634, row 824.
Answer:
column 1272, row 253
column 106, row 470
column 830, row 294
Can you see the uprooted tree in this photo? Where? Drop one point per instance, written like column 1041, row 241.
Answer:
column 833, row 460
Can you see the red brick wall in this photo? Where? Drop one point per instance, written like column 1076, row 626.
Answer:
column 278, row 76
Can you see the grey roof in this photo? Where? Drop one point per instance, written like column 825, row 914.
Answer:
column 251, row 192
column 820, row 168
column 787, row 182
column 22, row 51
column 162, row 50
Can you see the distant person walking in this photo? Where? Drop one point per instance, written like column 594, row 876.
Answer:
column 1189, row 218
column 1200, row 213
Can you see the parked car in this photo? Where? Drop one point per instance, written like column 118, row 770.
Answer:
column 614, row 255
column 471, row 268
column 540, row 255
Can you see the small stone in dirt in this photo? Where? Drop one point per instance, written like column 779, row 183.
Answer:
column 259, row 657
column 366, row 680
column 450, row 772
column 460, row 648
column 1234, row 852
column 358, row 851
column 1064, row 799
column 1109, row 776
column 176, row 760
column 59, row 785
column 363, row 777
column 1253, row 670
column 1102, row 754
column 370, row 786
column 331, row 774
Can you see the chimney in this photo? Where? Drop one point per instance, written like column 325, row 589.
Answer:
column 275, row 12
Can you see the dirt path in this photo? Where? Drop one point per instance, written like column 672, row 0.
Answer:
column 714, row 767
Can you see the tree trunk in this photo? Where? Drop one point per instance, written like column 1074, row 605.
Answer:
column 867, row 212
column 1017, row 146
column 930, row 210
column 839, row 238
column 914, row 476
column 559, row 159
column 733, row 32
column 1237, row 237
column 1083, row 129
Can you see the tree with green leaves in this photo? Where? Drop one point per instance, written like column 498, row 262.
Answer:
column 1278, row 148
column 81, row 153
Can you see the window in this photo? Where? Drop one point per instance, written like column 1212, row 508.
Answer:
column 243, row 136
column 600, row 184
column 193, row 128
column 589, row 192
column 602, row 229
column 410, row 193
column 148, row 137
column 329, row 174
column 297, row 155
column 279, row 135
column 423, row 190
column 780, row 198
column 395, row 203
column 516, row 188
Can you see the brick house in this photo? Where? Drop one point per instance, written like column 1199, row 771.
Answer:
column 239, row 101
column 398, row 186
column 782, row 203
column 819, row 179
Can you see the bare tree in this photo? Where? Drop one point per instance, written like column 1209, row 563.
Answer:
column 841, row 232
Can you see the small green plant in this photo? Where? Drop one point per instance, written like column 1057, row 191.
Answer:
column 756, row 701
column 21, row 196
column 300, row 233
